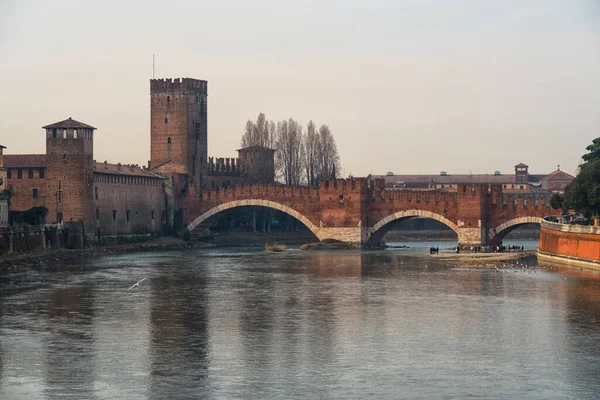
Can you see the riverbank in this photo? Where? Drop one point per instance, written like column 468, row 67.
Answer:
column 47, row 257
column 485, row 260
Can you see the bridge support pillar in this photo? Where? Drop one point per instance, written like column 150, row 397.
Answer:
column 471, row 236
column 356, row 236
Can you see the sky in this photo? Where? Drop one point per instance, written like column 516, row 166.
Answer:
column 405, row 86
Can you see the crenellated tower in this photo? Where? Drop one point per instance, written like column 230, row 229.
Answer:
column 69, row 178
column 178, row 125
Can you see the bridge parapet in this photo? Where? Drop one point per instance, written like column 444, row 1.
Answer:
column 414, row 196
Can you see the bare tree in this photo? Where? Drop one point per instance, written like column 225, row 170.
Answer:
column 290, row 151
column 259, row 133
column 328, row 157
column 311, row 154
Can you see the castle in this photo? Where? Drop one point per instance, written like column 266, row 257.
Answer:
column 121, row 199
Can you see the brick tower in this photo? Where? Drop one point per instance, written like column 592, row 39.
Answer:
column 178, row 119
column 69, row 178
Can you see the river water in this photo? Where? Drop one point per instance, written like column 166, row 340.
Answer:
column 242, row 323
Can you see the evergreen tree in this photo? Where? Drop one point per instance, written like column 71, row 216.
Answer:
column 583, row 193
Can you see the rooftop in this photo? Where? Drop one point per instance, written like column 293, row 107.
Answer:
column 123, row 169
column 69, row 123
column 256, row 148
column 24, row 160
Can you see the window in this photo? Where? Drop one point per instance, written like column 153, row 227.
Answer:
column 96, row 192
column 168, row 99
column 34, row 193
column 196, row 99
column 59, row 193
column 19, row 173
column 97, row 213
column 9, row 173
column 64, row 156
column 54, row 133
column 127, row 215
column 30, row 173
column 59, row 217
column 64, row 133
column 521, row 187
column 114, row 215
column 505, row 186
column 152, row 214
column 42, row 173
column 169, row 140
column 75, row 134
column 166, row 120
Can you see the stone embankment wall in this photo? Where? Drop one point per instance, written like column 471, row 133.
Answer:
column 29, row 239
column 572, row 244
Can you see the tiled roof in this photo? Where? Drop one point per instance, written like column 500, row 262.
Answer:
column 256, row 148
column 559, row 175
column 68, row 124
column 129, row 170
column 24, row 160
column 521, row 165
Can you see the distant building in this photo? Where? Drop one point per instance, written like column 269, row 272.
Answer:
column 519, row 182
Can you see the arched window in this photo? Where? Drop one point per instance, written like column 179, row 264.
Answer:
column 75, row 134
column 166, row 120
column 53, row 133
column 196, row 99
column 64, row 133
column 64, row 156
column 169, row 140
column 168, row 99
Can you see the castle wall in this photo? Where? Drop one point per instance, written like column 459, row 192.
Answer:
column 128, row 205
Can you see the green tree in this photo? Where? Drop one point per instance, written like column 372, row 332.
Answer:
column 594, row 151
column 583, row 193
column 556, row 202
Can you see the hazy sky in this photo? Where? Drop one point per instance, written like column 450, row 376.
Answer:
column 405, row 86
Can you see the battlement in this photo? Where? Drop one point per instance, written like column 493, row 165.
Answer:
column 178, row 85
column 343, row 184
column 225, row 166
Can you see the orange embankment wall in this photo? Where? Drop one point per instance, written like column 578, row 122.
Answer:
column 581, row 242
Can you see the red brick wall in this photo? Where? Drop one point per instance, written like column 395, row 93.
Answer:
column 138, row 195
column 22, row 195
column 318, row 205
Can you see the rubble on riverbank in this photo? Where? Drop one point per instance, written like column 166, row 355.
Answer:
column 485, row 260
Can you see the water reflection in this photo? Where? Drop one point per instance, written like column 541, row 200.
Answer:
column 69, row 359
column 240, row 323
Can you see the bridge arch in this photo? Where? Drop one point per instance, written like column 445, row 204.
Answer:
column 379, row 230
column 254, row 202
column 496, row 235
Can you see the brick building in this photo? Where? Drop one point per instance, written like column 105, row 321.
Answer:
column 119, row 199
column 519, row 182
column 109, row 199
column 179, row 140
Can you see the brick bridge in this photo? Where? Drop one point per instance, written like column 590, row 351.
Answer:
column 361, row 211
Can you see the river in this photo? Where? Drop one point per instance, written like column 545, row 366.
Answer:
column 242, row 323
